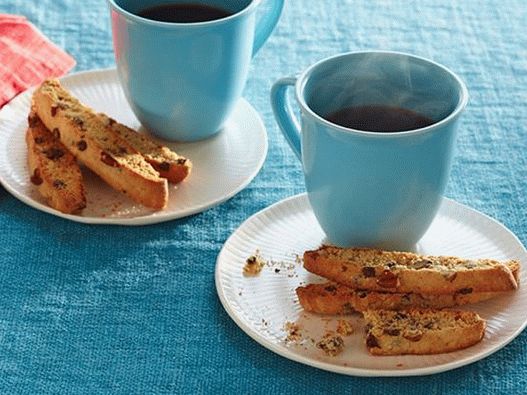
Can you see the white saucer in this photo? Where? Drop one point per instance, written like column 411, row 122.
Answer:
column 262, row 305
column 222, row 165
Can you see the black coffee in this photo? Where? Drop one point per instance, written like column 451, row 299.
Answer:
column 184, row 13
column 379, row 119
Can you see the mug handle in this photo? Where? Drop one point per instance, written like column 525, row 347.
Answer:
column 283, row 113
column 267, row 23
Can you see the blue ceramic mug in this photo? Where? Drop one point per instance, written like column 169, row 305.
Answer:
column 182, row 80
column 371, row 188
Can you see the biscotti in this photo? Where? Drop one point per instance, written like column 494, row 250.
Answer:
column 337, row 299
column 53, row 169
column 421, row 331
column 404, row 272
column 168, row 164
column 104, row 152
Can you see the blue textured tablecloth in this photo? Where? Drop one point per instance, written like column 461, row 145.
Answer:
column 87, row 309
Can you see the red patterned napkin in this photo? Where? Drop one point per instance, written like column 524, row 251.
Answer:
column 27, row 57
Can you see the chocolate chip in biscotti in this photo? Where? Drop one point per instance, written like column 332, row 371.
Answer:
column 54, row 109
column 362, row 294
column 371, row 341
column 79, row 122
column 400, row 316
column 421, row 264
column 81, row 145
column 464, row 291
column 54, row 153
column 330, row 288
column 368, row 271
column 32, row 121
column 429, row 325
column 387, row 280
column 392, row 331
column 108, row 160
column 35, row 178
column 38, row 140
column 122, row 150
column 59, row 184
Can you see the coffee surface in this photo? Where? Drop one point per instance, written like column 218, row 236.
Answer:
column 376, row 118
column 184, row 13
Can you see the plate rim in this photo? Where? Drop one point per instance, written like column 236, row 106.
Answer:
column 145, row 219
column 347, row 370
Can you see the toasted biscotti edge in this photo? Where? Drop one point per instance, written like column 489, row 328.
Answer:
column 337, row 299
column 421, row 331
column 387, row 271
column 175, row 168
column 53, row 169
column 104, row 152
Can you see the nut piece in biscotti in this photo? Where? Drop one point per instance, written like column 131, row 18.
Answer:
column 421, row 331
column 338, row 299
column 403, row 272
column 104, row 152
column 169, row 165
column 53, row 170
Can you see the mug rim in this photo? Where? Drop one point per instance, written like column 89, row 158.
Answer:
column 139, row 19
column 305, row 75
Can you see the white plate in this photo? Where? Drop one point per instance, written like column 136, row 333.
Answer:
column 262, row 305
column 222, row 165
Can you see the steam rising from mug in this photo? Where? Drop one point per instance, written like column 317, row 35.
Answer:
column 375, row 79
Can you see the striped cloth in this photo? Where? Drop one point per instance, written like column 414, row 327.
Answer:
column 27, row 57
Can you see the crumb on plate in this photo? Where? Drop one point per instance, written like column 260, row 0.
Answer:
column 331, row 344
column 253, row 265
column 293, row 331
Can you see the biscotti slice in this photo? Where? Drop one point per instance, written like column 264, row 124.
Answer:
column 102, row 151
column 405, row 272
column 421, row 331
column 169, row 165
column 53, row 169
column 337, row 299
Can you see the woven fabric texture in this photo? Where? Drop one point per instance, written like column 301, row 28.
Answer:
column 122, row 310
